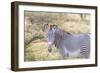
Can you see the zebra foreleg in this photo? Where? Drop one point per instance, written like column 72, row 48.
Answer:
column 50, row 48
column 64, row 53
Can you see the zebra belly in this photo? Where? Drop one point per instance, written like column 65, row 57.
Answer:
column 71, row 53
column 74, row 53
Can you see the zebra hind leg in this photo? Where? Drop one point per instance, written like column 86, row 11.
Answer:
column 85, row 53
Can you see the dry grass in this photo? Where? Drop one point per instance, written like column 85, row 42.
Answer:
column 37, row 51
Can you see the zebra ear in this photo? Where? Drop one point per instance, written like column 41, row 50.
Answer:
column 51, row 27
column 55, row 26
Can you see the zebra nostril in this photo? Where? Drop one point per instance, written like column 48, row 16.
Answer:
column 49, row 50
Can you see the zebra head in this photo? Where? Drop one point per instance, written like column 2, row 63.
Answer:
column 51, row 36
column 50, row 30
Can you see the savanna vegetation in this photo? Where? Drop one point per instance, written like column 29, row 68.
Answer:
column 36, row 47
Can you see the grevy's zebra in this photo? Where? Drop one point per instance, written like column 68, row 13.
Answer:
column 68, row 44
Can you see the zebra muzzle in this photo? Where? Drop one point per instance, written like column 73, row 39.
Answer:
column 50, row 50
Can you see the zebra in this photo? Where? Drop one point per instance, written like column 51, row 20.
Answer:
column 69, row 45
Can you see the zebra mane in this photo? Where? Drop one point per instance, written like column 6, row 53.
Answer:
column 63, row 31
column 60, row 35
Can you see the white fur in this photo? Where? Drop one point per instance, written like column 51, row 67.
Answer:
column 72, row 54
column 49, row 43
column 75, row 53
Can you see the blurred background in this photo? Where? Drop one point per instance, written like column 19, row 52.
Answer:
column 36, row 47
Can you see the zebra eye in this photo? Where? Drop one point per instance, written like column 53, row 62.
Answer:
column 51, row 27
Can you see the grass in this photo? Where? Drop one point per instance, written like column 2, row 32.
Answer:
column 38, row 51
